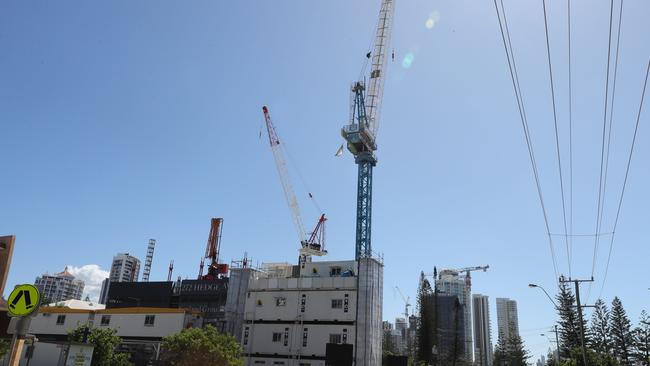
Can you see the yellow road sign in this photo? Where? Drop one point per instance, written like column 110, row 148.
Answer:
column 24, row 300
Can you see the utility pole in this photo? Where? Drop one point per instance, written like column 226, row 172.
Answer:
column 557, row 344
column 582, row 328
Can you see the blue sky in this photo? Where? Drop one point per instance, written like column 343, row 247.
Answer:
column 123, row 121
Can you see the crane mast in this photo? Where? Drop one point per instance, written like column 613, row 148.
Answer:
column 212, row 252
column 361, row 132
column 314, row 244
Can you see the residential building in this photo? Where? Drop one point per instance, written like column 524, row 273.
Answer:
column 482, row 331
column 103, row 294
column 401, row 330
column 292, row 312
column 6, row 252
column 451, row 328
column 59, row 286
column 125, row 268
column 507, row 318
column 450, row 283
column 141, row 329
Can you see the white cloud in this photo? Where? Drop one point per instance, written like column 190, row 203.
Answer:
column 93, row 276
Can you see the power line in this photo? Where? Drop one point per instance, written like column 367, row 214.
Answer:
column 557, row 139
column 600, row 209
column 570, row 132
column 627, row 172
column 507, row 45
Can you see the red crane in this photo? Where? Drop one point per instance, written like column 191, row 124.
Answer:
column 215, row 270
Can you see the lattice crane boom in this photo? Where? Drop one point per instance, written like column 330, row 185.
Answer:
column 406, row 303
column 379, row 60
column 314, row 244
column 361, row 132
column 281, row 166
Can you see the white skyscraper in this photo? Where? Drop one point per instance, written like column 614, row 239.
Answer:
column 482, row 331
column 448, row 282
column 60, row 286
column 125, row 268
column 507, row 318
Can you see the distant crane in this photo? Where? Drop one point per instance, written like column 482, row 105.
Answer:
column 315, row 243
column 467, row 270
column 406, row 304
column 212, row 252
column 361, row 132
column 148, row 260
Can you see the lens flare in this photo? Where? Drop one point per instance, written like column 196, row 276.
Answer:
column 432, row 20
column 408, row 60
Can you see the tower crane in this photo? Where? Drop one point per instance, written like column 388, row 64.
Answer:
column 466, row 270
column 406, row 304
column 212, row 252
column 314, row 244
column 360, row 134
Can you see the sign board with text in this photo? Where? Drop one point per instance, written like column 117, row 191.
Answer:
column 79, row 355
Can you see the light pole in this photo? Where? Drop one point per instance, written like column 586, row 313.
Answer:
column 532, row 285
column 557, row 341
column 557, row 344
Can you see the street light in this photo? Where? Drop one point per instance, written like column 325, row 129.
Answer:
column 557, row 343
column 532, row 285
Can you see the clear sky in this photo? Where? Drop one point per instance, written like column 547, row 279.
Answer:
column 122, row 121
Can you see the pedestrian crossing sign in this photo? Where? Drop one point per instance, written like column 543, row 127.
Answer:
column 23, row 300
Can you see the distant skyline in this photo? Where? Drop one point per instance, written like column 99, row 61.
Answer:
column 123, row 121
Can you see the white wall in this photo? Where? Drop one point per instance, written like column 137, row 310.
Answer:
column 318, row 305
column 260, row 338
column 45, row 323
column 127, row 325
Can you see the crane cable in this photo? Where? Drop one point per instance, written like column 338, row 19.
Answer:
column 627, row 171
column 507, row 45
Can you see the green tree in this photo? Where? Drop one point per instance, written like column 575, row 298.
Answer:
column 569, row 323
column 105, row 341
column 622, row 337
column 206, row 346
column 387, row 344
column 500, row 357
column 425, row 331
column 516, row 353
column 642, row 339
column 4, row 347
column 593, row 359
column 599, row 331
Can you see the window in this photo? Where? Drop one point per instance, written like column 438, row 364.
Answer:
column 335, row 338
column 335, row 271
column 304, row 337
column 106, row 320
column 246, row 335
column 303, row 303
column 259, row 302
column 337, row 303
column 277, row 337
column 60, row 320
column 280, row 301
column 258, row 362
column 278, row 362
column 149, row 320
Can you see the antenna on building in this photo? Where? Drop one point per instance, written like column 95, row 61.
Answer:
column 171, row 269
column 147, row 262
